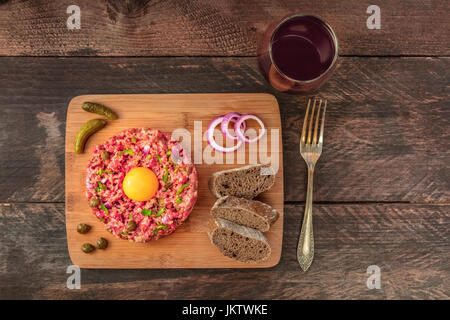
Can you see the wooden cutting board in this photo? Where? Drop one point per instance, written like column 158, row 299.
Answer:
column 189, row 246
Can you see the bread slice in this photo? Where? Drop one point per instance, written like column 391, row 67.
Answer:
column 238, row 242
column 249, row 213
column 245, row 182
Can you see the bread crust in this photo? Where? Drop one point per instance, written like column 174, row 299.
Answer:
column 219, row 224
column 266, row 215
column 239, row 173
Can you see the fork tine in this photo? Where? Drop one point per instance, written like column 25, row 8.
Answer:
column 317, row 123
column 323, row 123
column 311, row 121
column 303, row 138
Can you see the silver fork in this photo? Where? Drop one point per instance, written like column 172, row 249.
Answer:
column 310, row 149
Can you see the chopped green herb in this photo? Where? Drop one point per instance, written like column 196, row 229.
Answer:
column 97, row 189
column 102, row 207
column 100, row 185
column 99, row 172
column 123, row 234
column 102, row 219
column 131, row 216
column 160, row 212
column 176, row 170
column 159, row 158
column 129, row 151
column 149, row 156
column 147, row 212
column 182, row 188
column 159, row 227
column 169, row 153
column 109, row 230
column 166, row 175
column 179, row 199
column 133, row 139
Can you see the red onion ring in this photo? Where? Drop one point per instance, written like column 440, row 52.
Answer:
column 240, row 134
column 210, row 137
column 230, row 117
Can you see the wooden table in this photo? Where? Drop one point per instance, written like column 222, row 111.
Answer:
column 382, row 192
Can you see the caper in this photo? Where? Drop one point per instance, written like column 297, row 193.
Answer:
column 102, row 243
column 131, row 225
column 83, row 228
column 87, row 248
column 105, row 155
column 94, row 201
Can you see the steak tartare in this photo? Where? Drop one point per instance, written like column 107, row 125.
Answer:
column 141, row 221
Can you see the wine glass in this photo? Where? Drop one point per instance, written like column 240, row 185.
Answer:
column 298, row 53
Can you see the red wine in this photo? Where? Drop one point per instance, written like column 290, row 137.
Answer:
column 303, row 48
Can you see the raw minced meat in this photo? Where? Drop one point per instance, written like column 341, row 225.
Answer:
column 174, row 200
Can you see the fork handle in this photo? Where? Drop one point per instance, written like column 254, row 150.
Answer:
column 305, row 248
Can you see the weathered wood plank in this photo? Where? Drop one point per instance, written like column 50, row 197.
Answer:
column 410, row 243
column 387, row 135
column 211, row 27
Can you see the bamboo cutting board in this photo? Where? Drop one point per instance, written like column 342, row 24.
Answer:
column 189, row 246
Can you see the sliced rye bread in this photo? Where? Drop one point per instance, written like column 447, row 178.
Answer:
column 238, row 242
column 245, row 182
column 250, row 213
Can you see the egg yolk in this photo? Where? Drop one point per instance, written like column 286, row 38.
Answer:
column 140, row 184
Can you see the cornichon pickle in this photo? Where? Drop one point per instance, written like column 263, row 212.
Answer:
column 89, row 128
column 99, row 109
